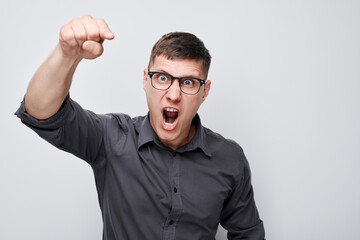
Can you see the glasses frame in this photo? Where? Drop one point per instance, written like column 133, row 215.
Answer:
column 202, row 82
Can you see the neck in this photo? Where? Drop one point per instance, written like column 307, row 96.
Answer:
column 178, row 143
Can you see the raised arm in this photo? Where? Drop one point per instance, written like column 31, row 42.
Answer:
column 80, row 38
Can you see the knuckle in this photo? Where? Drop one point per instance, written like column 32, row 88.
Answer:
column 63, row 29
column 93, row 35
column 102, row 22
column 75, row 21
column 67, row 35
column 68, row 38
column 87, row 17
column 81, row 36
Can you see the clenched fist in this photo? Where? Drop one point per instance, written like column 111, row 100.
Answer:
column 83, row 37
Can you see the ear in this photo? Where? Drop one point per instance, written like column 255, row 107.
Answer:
column 206, row 90
column 145, row 78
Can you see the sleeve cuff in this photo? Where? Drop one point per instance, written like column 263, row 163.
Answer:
column 53, row 122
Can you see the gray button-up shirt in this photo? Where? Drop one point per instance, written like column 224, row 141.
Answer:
column 148, row 191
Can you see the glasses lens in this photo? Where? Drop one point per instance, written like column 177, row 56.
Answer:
column 161, row 81
column 190, row 85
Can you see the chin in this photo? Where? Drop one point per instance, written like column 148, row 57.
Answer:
column 167, row 135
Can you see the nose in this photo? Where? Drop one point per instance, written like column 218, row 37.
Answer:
column 174, row 92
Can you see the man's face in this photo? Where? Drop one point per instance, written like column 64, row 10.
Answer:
column 172, row 111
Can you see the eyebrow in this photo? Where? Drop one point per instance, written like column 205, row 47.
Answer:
column 190, row 76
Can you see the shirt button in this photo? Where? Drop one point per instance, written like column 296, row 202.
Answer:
column 174, row 154
column 175, row 189
column 171, row 222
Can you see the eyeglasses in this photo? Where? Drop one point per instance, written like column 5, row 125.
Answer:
column 163, row 81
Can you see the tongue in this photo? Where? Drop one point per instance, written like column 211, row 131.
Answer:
column 170, row 117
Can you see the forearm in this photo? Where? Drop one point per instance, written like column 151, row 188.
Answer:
column 50, row 84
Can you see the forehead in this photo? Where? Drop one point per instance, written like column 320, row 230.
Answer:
column 178, row 67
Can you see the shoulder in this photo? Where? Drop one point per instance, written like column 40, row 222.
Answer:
column 225, row 151
column 120, row 128
column 217, row 143
column 112, row 121
column 122, row 121
column 116, row 118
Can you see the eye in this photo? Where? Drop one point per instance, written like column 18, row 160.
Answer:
column 163, row 78
column 188, row 82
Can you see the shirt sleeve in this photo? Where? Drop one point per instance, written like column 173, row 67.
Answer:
column 71, row 129
column 239, row 215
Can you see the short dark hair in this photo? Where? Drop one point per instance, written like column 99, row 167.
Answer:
column 181, row 45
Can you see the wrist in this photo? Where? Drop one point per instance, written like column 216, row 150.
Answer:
column 67, row 59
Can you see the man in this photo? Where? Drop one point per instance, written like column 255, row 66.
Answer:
column 161, row 176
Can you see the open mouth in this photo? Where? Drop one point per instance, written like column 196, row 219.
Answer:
column 170, row 115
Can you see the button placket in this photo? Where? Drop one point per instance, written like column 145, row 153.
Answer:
column 176, row 203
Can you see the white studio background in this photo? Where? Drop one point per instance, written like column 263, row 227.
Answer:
column 285, row 85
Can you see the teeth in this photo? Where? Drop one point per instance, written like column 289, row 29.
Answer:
column 168, row 124
column 171, row 110
column 168, row 109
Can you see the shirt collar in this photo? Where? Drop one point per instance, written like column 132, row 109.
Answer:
column 145, row 131
column 147, row 134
